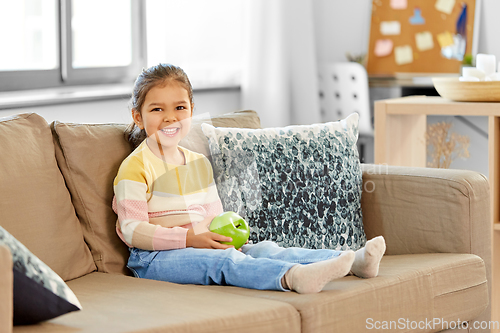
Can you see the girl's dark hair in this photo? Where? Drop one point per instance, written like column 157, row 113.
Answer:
column 153, row 76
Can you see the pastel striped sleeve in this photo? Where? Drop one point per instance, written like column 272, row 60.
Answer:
column 131, row 206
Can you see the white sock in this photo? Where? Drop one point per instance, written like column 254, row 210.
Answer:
column 367, row 260
column 311, row 278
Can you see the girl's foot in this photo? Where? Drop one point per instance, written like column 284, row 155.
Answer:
column 367, row 260
column 311, row 278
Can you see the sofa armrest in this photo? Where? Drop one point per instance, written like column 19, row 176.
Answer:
column 6, row 290
column 426, row 210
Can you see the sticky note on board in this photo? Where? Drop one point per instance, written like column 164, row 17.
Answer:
column 390, row 28
column 403, row 54
column 445, row 6
column 417, row 18
column 399, row 4
column 383, row 47
column 424, row 41
column 445, row 39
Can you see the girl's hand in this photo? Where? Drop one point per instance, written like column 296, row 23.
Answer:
column 201, row 237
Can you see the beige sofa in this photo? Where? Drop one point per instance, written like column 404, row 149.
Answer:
column 55, row 197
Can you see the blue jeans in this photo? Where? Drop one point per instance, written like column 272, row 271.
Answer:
column 259, row 266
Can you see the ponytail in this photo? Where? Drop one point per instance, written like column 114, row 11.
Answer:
column 134, row 135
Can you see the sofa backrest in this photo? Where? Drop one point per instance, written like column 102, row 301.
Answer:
column 197, row 141
column 89, row 157
column 35, row 204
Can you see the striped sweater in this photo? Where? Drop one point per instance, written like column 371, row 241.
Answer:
column 157, row 202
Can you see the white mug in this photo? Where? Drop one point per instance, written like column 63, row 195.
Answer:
column 487, row 63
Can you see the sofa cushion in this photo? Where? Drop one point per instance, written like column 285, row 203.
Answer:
column 39, row 293
column 412, row 288
column 296, row 185
column 116, row 303
column 35, row 204
column 89, row 156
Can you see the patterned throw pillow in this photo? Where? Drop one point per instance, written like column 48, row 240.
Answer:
column 39, row 293
column 297, row 185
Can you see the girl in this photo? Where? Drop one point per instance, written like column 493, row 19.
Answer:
column 165, row 198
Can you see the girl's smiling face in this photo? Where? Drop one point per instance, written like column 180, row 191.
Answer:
column 165, row 115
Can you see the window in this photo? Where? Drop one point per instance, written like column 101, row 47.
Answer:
column 55, row 43
column 205, row 38
column 51, row 43
column 107, row 41
column 29, row 28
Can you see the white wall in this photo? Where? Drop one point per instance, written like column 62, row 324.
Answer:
column 117, row 111
column 110, row 111
column 489, row 42
column 341, row 26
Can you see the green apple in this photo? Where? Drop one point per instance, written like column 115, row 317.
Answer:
column 231, row 225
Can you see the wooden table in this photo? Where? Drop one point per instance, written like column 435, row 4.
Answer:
column 400, row 126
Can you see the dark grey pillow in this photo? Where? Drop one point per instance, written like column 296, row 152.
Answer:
column 297, row 185
column 39, row 293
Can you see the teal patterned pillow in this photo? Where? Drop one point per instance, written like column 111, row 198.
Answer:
column 299, row 186
column 39, row 293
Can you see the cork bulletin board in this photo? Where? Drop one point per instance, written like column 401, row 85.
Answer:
column 421, row 36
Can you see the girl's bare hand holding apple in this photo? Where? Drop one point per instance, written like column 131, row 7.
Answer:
column 200, row 237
